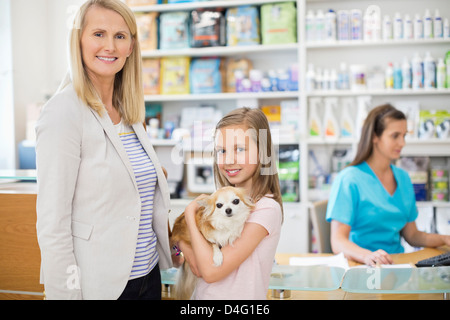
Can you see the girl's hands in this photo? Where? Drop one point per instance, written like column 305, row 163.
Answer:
column 189, row 257
column 377, row 257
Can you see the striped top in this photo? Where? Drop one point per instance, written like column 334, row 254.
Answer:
column 146, row 256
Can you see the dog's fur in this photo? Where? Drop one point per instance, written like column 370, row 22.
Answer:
column 220, row 218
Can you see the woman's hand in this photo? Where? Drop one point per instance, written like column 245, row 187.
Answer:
column 377, row 257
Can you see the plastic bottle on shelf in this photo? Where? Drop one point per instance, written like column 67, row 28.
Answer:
column 438, row 25
column 398, row 26
column 330, row 26
column 333, row 79
column 429, row 72
column 310, row 26
column 343, row 78
column 319, row 83
column 314, row 123
column 418, row 27
column 389, row 76
column 330, row 123
column 427, row 25
column 343, row 25
column 417, row 71
column 398, row 79
column 447, row 64
column 446, row 29
column 408, row 28
column 440, row 74
column 310, row 79
column 319, row 23
column 361, row 114
column 387, row 28
column 372, row 23
column 356, row 24
column 406, row 74
column 326, row 80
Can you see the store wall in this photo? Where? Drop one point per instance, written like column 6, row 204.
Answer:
column 7, row 150
column 39, row 30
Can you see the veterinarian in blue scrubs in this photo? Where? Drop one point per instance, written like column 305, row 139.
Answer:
column 372, row 202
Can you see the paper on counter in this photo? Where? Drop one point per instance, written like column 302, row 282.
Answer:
column 333, row 261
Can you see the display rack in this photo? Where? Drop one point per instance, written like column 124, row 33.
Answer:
column 304, row 53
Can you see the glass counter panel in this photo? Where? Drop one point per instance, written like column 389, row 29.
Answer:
column 397, row 280
column 284, row 277
column 29, row 175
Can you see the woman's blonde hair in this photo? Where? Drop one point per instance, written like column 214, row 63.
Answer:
column 374, row 125
column 128, row 95
column 265, row 179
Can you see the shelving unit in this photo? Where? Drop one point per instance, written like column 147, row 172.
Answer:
column 326, row 55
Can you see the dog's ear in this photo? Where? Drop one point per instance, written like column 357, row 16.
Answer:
column 207, row 202
column 246, row 199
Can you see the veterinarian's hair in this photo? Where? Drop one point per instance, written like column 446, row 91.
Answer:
column 265, row 179
column 374, row 125
column 128, row 95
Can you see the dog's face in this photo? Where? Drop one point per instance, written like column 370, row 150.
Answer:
column 227, row 202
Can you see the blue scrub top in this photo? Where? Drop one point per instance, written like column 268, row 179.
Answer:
column 358, row 199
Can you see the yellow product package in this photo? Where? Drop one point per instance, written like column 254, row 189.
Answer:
column 174, row 77
column 150, row 75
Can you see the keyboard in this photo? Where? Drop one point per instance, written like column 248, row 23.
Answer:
column 437, row 261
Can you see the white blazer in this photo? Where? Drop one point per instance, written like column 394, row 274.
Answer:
column 88, row 204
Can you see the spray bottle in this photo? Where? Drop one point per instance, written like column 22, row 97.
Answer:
column 330, row 122
column 440, row 74
column 347, row 121
column 363, row 106
column 417, row 72
column 314, row 123
column 429, row 72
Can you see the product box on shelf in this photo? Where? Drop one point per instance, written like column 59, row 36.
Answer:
column 147, row 30
column 207, row 28
column 174, row 30
column 279, row 23
column 243, row 26
column 175, row 75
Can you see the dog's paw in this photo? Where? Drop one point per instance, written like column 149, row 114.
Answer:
column 217, row 256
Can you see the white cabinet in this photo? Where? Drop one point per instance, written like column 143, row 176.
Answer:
column 326, row 55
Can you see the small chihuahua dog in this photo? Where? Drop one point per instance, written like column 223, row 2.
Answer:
column 220, row 218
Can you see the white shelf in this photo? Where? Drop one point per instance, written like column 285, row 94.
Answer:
column 362, row 43
column 222, row 96
column 220, row 51
column 429, row 148
column 379, row 92
column 202, row 4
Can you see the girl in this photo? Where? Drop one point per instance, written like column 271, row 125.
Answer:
column 244, row 158
column 103, row 199
column 372, row 202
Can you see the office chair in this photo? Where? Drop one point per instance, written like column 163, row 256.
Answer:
column 317, row 213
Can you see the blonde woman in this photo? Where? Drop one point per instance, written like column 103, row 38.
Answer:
column 103, row 199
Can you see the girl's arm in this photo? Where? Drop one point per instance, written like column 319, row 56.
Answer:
column 340, row 243
column 418, row 238
column 233, row 255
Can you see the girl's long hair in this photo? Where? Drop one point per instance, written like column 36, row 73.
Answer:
column 128, row 96
column 265, row 179
column 374, row 125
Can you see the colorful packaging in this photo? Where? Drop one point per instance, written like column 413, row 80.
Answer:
column 175, row 75
column 147, row 30
column 137, row 3
column 206, row 76
column 233, row 65
column 243, row 26
column 174, row 30
column 279, row 23
column 150, row 75
column 207, row 28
